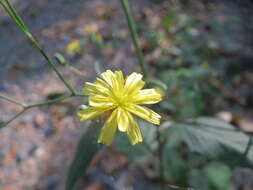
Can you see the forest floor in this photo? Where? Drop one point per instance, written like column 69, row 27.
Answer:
column 36, row 149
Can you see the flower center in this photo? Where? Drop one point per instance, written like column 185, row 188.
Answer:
column 120, row 99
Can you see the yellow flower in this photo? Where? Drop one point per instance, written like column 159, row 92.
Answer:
column 121, row 98
column 73, row 46
column 88, row 29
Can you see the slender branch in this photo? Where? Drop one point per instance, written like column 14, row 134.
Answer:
column 133, row 32
column 160, row 158
column 49, row 101
column 4, row 124
column 61, row 60
column 26, row 108
column 14, row 15
column 250, row 142
column 12, row 100
column 69, row 86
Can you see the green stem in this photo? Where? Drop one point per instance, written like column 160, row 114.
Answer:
column 133, row 32
column 12, row 119
column 49, row 101
column 14, row 15
column 69, row 86
column 250, row 142
column 160, row 158
column 61, row 60
column 26, row 108
column 12, row 100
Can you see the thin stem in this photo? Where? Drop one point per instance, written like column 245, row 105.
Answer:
column 12, row 119
column 160, row 158
column 14, row 15
column 12, row 100
column 17, row 17
column 49, row 101
column 26, row 108
column 69, row 86
column 250, row 142
column 61, row 60
column 133, row 32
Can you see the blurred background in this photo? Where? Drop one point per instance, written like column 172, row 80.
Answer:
column 202, row 50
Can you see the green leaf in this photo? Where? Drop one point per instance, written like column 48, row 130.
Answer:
column 87, row 147
column 157, row 82
column 55, row 95
column 216, row 139
column 218, row 178
column 60, row 59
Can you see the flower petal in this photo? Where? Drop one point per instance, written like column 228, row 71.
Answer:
column 133, row 131
column 120, row 80
column 109, row 77
column 133, row 83
column 90, row 113
column 144, row 113
column 108, row 130
column 147, row 96
column 98, row 87
column 100, row 101
column 122, row 119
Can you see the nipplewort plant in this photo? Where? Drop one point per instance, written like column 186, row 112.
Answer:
column 119, row 99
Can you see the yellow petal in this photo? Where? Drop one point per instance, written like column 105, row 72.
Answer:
column 133, row 131
column 122, row 119
column 108, row 130
column 98, row 87
column 101, row 101
column 147, row 96
column 144, row 113
column 134, row 83
column 120, row 79
column 89, row 113
column 109, row 77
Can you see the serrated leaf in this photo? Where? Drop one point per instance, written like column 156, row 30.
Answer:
column 87, row 147
column 216, row 139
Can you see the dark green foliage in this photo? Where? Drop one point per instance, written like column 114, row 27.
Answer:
column 87, row 147
column 216, row 139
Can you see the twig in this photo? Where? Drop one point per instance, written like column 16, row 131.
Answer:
column 14, row 15
column 4, row 124
column 26, row 108
column 133, row 32
column 12, row 100
column 61, row 60
column 18, row 20
column 160, row 158
column 246, row 152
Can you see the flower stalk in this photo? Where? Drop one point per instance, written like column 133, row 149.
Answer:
column 133, row 33
column 14, row 15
